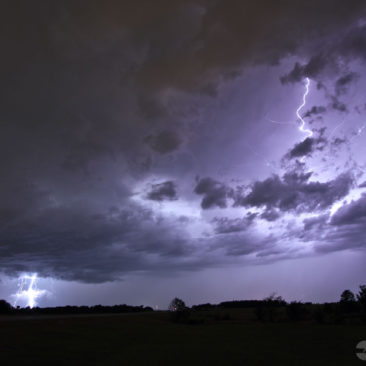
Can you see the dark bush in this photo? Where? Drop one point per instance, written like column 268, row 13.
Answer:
column 5, row 307
column 319, row 314
column 296, row 311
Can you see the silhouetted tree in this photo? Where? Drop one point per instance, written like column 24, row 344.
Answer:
column 361, row 296
column 5, row 307
column 178, row 310
column 348, row 301
column 347, row 296
column 266, row 310
column 275, row 300
column 177, row 305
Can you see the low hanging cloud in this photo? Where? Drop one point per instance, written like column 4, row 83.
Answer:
column 307, row 147
column 315, row 110
column 338, row 105
column 294, row 192
column 270, row 215
column 225, row 225
column 345, row 230
column 343, row 83
column 215, row 193
column 351, row 213
column 73, row 244
column 163, row 191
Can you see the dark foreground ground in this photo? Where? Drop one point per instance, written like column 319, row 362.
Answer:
column 153, row 339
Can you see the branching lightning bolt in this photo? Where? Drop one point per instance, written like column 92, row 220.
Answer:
column 302, row 122
column 28, row 290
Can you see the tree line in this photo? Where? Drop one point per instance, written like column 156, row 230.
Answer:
column 350, row 308
column 6, row 308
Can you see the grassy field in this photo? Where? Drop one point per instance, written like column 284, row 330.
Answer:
column 152, row 339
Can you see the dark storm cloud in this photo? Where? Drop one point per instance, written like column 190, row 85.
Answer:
column 294, row 192
column 333, row 60
column 164, row 142
column 315, row 67
column 84, row 82
column 95, row 63
column 306, row 147
column 346, row 228
column 163, row 191
column 303, row 148
column 315, row 110
column 338, row 141
column 277, row 30
column 19, row 198
column 214, row 193
column 317, row 222
column 240, row 243
column 225, row 225
column 343, row 230
column 312, row 69
column 270, row 215
column 342, row 84
column 69, row 243
column 348, row 237
column 181, row 44
column 338, row 105
column 237, row 245
column 150, row 107
column 351, row 213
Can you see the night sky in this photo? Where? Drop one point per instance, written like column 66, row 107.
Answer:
column 152, row 149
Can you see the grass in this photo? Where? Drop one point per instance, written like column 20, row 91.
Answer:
column 152, row 339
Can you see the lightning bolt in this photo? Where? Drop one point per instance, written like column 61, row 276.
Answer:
column 27, row 289
column 302, row 122
column 298, row 115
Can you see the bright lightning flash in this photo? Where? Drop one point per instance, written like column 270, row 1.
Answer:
column 302, row 122
column 28, row 290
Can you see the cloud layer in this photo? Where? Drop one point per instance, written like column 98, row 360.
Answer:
column 103, row 98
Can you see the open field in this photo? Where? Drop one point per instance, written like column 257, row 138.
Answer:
column 152, row 339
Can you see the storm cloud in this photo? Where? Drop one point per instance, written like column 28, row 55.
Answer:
column 351, row 213
column 214, row 193
column 164, row 142
column 224, row 225
column 111, row 110
column 161, row 191
column 294, row 192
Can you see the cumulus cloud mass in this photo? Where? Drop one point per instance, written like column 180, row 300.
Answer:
column 160, row 137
